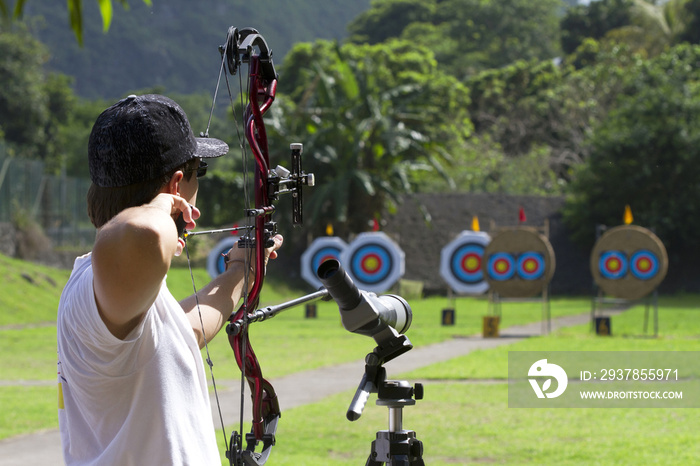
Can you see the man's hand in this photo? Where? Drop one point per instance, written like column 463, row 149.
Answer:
column 180, row 211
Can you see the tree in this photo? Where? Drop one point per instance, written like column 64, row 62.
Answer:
column 491, row 34
column 691, row 12
column 646, row 153
column 370, row 117
column 34, row 104
column 467, row 35
column 593, row 21
column 387, row 19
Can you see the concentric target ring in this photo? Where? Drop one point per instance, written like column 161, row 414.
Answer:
column 374, row 261
column 319, row 251
column 324, row 254
column 531, row 265
column 461, row 262
column 371, row 263
column 519, row 262
column 501, row 266
column 466, row 263
column 644, row 264
column 645, row 258
column 612, row 265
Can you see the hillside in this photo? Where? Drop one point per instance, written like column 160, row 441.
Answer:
column 30, row 292
column 174, row 43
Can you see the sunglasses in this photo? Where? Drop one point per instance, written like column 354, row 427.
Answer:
column 201, row 170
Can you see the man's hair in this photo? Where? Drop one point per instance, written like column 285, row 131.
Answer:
column 105, row 203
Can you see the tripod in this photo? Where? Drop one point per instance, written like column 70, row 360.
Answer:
column 395, row 446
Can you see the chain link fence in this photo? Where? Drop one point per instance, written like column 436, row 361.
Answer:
column 57, row 203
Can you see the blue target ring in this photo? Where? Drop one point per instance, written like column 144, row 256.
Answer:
column 531, row 265
column 371, row 263
column 324, row 254
column 320, row 250
column 612, row 265
column 501, row 266
column 466, row 263
column 644, row 264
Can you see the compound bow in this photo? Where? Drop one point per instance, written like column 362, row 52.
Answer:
column 247, row 46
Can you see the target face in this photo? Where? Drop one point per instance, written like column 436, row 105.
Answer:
column 501, row 266
column 531, row 265
column 460, row 262
column 466, row 262
column 613, row 265
column 215, row 261
column 628, row 262
column 373, row 261
column 320, row 250
column 644, row 264
column 519, row 262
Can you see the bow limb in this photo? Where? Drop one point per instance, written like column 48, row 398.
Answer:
column 262, row 86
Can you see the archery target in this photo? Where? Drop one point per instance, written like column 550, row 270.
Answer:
column 644, row 264
column 319, row 251
column 613, row 264
column 501, row 266
column 518, row 262
column 215, row 260
column 460, row 262
column 373, row 261
column 531, row 265
column 637, row 257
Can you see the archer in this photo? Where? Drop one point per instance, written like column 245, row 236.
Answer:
column 132, row 385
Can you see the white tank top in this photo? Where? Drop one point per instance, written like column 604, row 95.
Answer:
column 141, row 400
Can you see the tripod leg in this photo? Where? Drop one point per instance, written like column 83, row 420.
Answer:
column 370, row 459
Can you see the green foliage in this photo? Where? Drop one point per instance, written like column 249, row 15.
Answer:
column 593, row 20
column 468, row 35
column 387, row 19
column 645, row 154
column 690, row 15
column 369, row 116
column 34, row 104
column 23, row 110
column 491, row 34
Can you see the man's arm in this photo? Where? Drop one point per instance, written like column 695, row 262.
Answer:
column 218, row 300
column 131, row 257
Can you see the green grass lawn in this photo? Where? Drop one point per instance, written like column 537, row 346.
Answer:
column 462, row 419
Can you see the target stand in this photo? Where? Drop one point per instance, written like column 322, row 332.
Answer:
column 519, row 264
column 628, row 263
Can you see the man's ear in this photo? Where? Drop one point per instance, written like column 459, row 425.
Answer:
column 173, row 186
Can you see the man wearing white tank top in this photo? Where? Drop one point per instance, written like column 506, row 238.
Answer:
column 132, row 388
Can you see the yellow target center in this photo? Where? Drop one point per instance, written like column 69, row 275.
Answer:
column 371, row 264
column 501, row 266
column 472, row 263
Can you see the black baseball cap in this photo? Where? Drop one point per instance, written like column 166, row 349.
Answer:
column 144, row 137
